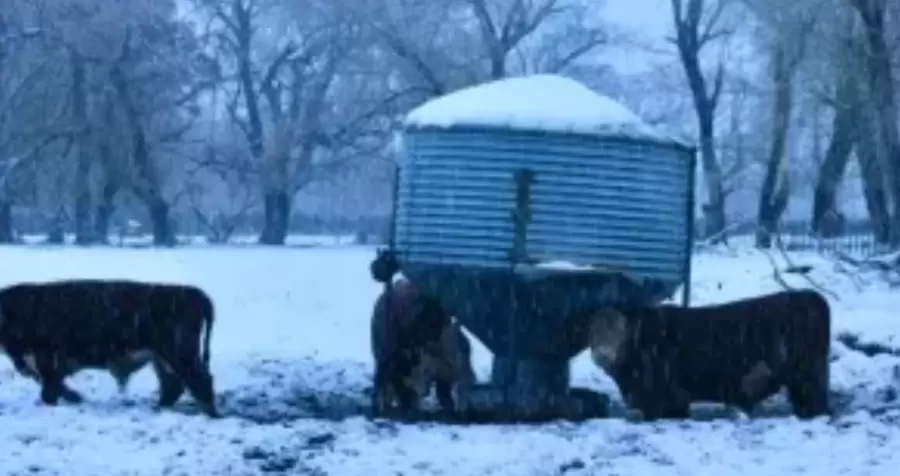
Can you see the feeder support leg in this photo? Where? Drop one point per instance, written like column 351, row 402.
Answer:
column 531, row 383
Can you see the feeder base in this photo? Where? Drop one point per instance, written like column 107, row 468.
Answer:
column 525, row 378
column 485, row 404
column 488, row 404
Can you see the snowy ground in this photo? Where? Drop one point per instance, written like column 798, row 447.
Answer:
column 290, row 356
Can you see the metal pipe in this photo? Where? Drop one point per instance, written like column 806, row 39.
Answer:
column 689, row 240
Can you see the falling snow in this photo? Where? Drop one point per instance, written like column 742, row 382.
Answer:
column 291, row 360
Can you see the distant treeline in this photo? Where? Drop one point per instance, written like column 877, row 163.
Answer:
column 851, row 227
column 30, row 221
column 375, row 228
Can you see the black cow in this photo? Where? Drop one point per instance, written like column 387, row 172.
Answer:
column 738, row 353
column 416, row 344
column 53, row 329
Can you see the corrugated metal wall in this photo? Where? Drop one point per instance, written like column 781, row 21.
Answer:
column 603, row 202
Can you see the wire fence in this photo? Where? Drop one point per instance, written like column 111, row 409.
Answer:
column 858, row 243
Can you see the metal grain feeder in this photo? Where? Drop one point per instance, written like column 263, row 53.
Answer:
column 523, row 214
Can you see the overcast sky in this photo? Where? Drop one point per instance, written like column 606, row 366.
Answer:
column 651, row 19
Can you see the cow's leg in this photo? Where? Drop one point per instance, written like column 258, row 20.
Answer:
column 69, row 395
column 185, row 360
column 405, row 392
column 662, row 394
column 29, row 369
column 679, row 406
column 394, row 380
column 382, row 391
column 200, row 384
column 24, row 368
column 754, row 387
column 51, row 378
column 190, row 370
column 402, row 392
column 659, row 392
column 444, row 391
column 171, row 386
column 808, row 389
column 407, row 398
column 664, row 406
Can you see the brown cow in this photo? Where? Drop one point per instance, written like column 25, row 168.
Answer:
column 416, row 344
column 738, row 353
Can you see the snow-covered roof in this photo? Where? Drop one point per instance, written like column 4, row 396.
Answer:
column 543, row 102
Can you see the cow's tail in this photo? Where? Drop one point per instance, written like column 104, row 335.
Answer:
column 208, row 311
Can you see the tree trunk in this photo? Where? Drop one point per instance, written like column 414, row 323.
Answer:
column 6, row 229
column 714, row 208
column 498, row 65
column 112, row 175
column 278, row 192
column 83, row 231
column 163, row 234
column 104, row 211
column 881, row 83
column 56, row 232
column 773, row 197
column 872, row 175
column 149, row 191
column 277, row 213
column 826, row 217
column 705, row 103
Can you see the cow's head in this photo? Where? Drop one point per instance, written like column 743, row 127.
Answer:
column 428, row 324
column 607, row 335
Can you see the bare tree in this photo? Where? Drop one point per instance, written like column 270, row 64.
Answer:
column 826, row 217
column 839, row 47
column 272, row 141
column 112, row 172
column 431, row 44
column 79, row 91
column 155, row 78
column 695, row 27
column 788, row 28
column 736, row 142
column 30, row 109
column 235, row 199
column 438, row 47
column 883, row 98
column 506, row 24
column 842, row 62
column 126, row 68
column 290, row 104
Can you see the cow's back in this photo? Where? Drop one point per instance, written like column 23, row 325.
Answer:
column 715, row 346
column 94, row 319
column 393, row 310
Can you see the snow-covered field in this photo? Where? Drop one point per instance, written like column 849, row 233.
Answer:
column 290, row 357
